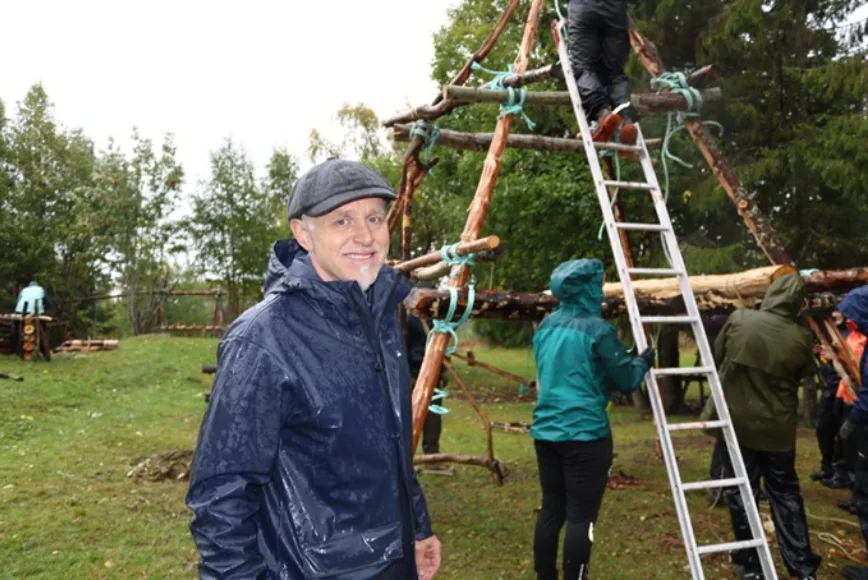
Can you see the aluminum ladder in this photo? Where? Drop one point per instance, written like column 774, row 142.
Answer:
column 637, row 320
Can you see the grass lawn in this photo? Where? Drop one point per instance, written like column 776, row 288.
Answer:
column 71, row 431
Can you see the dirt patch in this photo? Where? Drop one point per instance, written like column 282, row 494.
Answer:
column 170, row 466
column 621, row 480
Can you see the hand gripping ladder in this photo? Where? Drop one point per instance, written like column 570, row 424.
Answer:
column 678, row 269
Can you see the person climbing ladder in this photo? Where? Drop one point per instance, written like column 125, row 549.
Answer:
column 599, row 45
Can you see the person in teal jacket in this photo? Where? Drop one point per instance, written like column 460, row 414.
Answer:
column 31, row 300
column 579, row 359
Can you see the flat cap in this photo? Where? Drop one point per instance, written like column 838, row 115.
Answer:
column 333, row 183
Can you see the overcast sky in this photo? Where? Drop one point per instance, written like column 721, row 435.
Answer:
column 263, row 72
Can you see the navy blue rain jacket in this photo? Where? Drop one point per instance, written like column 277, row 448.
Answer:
column 304, row 462
column 855, row 307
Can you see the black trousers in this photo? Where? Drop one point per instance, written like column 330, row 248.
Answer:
column 573, row 476
column 432, row 428
column 599, row 46
column 778, row 472
column 828, row 422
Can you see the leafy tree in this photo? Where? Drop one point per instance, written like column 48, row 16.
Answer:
column 234, row 222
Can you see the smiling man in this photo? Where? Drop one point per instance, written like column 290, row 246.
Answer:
column 304, row 462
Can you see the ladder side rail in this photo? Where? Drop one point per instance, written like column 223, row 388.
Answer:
column 633, row 309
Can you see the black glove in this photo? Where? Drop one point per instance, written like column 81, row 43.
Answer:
column 649, row 354
column 847, row 429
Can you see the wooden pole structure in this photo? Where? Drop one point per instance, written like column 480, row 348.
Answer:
column 462, row 249
column 414, row 170
column 646, row 103
column 757, row 222
column 435, row 352
column 482, row 141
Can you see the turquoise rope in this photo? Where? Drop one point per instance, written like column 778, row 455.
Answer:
column 514, row 105
column 447, row 325
column 429, row 132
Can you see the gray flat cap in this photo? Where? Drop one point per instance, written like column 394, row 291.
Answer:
column 334, row 183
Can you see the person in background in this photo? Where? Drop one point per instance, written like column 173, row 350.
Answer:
column 417, row 340
column 578, row 358
column 762, row 356
column 31, row 300
column 854, row 307
column 599, row 46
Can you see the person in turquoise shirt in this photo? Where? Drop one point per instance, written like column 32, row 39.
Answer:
column 578, row 358
column 31, row 300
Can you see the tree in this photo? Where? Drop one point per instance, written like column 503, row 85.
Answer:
column 234, row 222
column 138, row 197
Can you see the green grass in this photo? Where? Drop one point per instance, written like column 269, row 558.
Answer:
column 71, row 430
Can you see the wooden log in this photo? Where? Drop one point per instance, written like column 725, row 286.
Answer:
column 482, row 141
column 103, row 343
column 463, row 248
column 714, row 294
column 704, row 76
column 512, row 427
column 646, row 103
column 440, row 269
column 435, row 351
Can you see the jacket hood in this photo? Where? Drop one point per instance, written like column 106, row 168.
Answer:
column 289, row 267
column 855, row 307
column 578, row 285
column 785, row 296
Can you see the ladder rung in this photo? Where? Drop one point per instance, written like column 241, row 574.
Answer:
column 610, row 146
column 696, row 425
column 655, row 271
column 730, row 546
column 668, row 319
column 641, row 227
column 682, row 371
column 712, row 483
column 629, row 184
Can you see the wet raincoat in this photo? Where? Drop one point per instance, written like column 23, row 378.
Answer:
column 304, row 462
column 855, row 307
column 762, row 357
column 578, row 358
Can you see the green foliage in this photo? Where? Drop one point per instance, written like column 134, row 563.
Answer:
column 235, row 221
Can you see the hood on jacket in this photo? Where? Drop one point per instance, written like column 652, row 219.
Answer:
column 785, row 296
column 289, row 264
column 578, row 284
column 855, row 308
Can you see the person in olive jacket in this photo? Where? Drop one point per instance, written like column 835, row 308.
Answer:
column 579, row 359
column 762, row 356
column 303, row 468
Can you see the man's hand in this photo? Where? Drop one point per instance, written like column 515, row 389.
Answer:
column 427, row 557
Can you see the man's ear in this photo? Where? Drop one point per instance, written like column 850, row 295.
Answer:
column 301, row 233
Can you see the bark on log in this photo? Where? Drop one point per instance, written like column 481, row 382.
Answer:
column 646, row 103
column 714, row 294
column 482, row 141
column 463, row 248
column 435, row 351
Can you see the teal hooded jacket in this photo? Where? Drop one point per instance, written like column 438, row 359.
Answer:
column 579, row 358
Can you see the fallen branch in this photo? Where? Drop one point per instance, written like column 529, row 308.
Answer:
column 497, row 468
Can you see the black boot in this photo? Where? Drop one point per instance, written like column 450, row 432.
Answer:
column 854, row 573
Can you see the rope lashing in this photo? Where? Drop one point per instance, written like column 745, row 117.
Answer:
column 446, row 325
column 438, row 409
column 515, row 97
column 429, row 132
column 676, row 82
